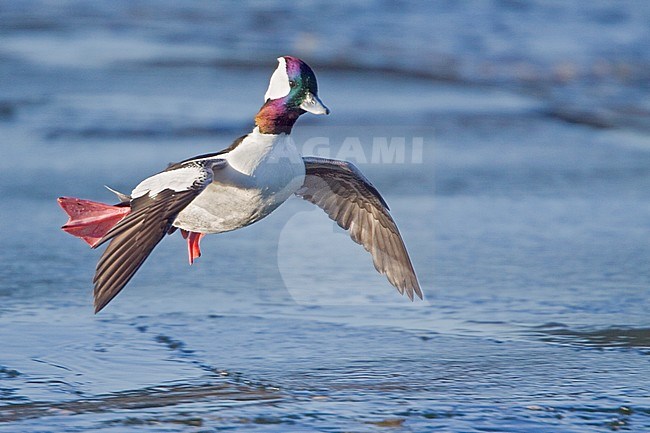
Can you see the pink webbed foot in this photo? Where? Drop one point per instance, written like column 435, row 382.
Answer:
column 193, row 244
column 90, row 220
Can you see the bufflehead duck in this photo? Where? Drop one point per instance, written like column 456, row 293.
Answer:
column 240, row 185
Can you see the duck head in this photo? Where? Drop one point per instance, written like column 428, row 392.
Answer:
column 292, row 91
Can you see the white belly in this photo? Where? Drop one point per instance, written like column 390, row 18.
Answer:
column 261, row 175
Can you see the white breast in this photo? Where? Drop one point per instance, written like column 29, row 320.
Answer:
column 263, row 171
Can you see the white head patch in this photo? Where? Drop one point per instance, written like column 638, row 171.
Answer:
column 279, row 86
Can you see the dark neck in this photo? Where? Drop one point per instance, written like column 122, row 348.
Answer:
column 275, row 117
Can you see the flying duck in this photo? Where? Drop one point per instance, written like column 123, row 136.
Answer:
column 240, row 185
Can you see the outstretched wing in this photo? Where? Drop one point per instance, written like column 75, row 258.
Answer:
column 340, row 189
column 155, row 204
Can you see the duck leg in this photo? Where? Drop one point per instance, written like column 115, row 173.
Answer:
column 193, row 244
column 91, row 220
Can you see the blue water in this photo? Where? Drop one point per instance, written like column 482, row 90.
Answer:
column 520, row 182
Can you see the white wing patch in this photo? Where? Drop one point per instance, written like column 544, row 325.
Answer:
column 180, row 179
column 279, row 85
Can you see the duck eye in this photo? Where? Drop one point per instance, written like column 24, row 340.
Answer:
column 292, row 83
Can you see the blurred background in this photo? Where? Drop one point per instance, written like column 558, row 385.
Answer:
column 510, row 138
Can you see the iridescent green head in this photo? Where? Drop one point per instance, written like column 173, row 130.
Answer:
column 292, row 91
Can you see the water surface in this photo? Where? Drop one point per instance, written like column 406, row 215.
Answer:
column 526, row 215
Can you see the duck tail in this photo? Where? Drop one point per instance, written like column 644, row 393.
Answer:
column 91, row 220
